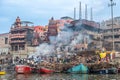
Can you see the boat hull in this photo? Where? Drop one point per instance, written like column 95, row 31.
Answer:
column 2, row 72
column 21, row 69
column 105, row 71
column 78, row 69
column 45, row 71
column 34, row 70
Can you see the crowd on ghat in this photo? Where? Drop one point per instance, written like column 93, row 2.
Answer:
column 55, row 59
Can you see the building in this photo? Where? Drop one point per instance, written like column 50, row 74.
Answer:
column 108, row 33
column 52, row 27
column 64, row 21
column 4, row 43
column 55, row 25
column 40, row 35
column 21, row 35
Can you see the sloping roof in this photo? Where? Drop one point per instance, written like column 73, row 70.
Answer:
column 66, row 17
column 39, row 29
column 4, row 34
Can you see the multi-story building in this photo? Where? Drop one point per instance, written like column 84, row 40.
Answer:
column 21, row 35
column 4, row 43
column 108, row 33
column 55, row 25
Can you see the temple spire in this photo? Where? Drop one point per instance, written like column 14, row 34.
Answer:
column 18, row 22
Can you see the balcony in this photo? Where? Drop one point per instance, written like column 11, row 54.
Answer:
column 23, row 35
column 115, row 40
column 17, row 41
column 22, row 28
column 110, row 33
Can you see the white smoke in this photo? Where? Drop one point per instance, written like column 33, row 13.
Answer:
column 45, row 48
column 66, row 39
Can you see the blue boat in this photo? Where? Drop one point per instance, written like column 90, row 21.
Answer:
column 78, row 69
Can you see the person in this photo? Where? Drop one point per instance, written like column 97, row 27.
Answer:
column 0, row 68
column 103, row 49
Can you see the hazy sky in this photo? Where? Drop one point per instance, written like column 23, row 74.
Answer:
column 40, row 11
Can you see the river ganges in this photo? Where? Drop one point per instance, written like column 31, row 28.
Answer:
column 59, row 76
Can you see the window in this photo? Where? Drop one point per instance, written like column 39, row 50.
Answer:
column 6, row 40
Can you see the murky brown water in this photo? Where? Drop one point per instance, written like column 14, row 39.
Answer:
column 58, row 76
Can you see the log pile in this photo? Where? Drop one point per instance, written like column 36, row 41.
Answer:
column 102, row 65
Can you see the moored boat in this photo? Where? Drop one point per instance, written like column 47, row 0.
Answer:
column 22, row 69
column 2, row 72
column 112, row 70
column 43, row 70
column 78, row 69
column 105, row 71
column 34, row 70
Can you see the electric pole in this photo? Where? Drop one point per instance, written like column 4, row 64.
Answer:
column 112, row 4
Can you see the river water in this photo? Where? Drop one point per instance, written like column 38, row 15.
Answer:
column 59, row 76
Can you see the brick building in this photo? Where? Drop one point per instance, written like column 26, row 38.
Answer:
column 52, row 27
column 55, row 25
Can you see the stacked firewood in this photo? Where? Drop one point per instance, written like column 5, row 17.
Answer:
column 47, row 65
column 103, row 65
column 74, row 60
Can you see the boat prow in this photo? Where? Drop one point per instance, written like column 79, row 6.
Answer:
column 22, row 69
column 2, row 72
column 78, row 69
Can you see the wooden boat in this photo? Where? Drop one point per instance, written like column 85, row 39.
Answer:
column 105, row 71
column 78, row 69
column 2, row 72
column 34, row 70
column 22, row 69
column 112, row 70
column 43, row 70
column 101, row 71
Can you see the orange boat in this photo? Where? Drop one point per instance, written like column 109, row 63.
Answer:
column 45, row 71
column 22, row 69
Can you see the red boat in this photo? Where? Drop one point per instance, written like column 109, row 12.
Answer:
column 34, row 70
column 45, row 71
column 22, row 69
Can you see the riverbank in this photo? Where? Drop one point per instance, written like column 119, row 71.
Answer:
column 59, row 76
column 91, row 59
